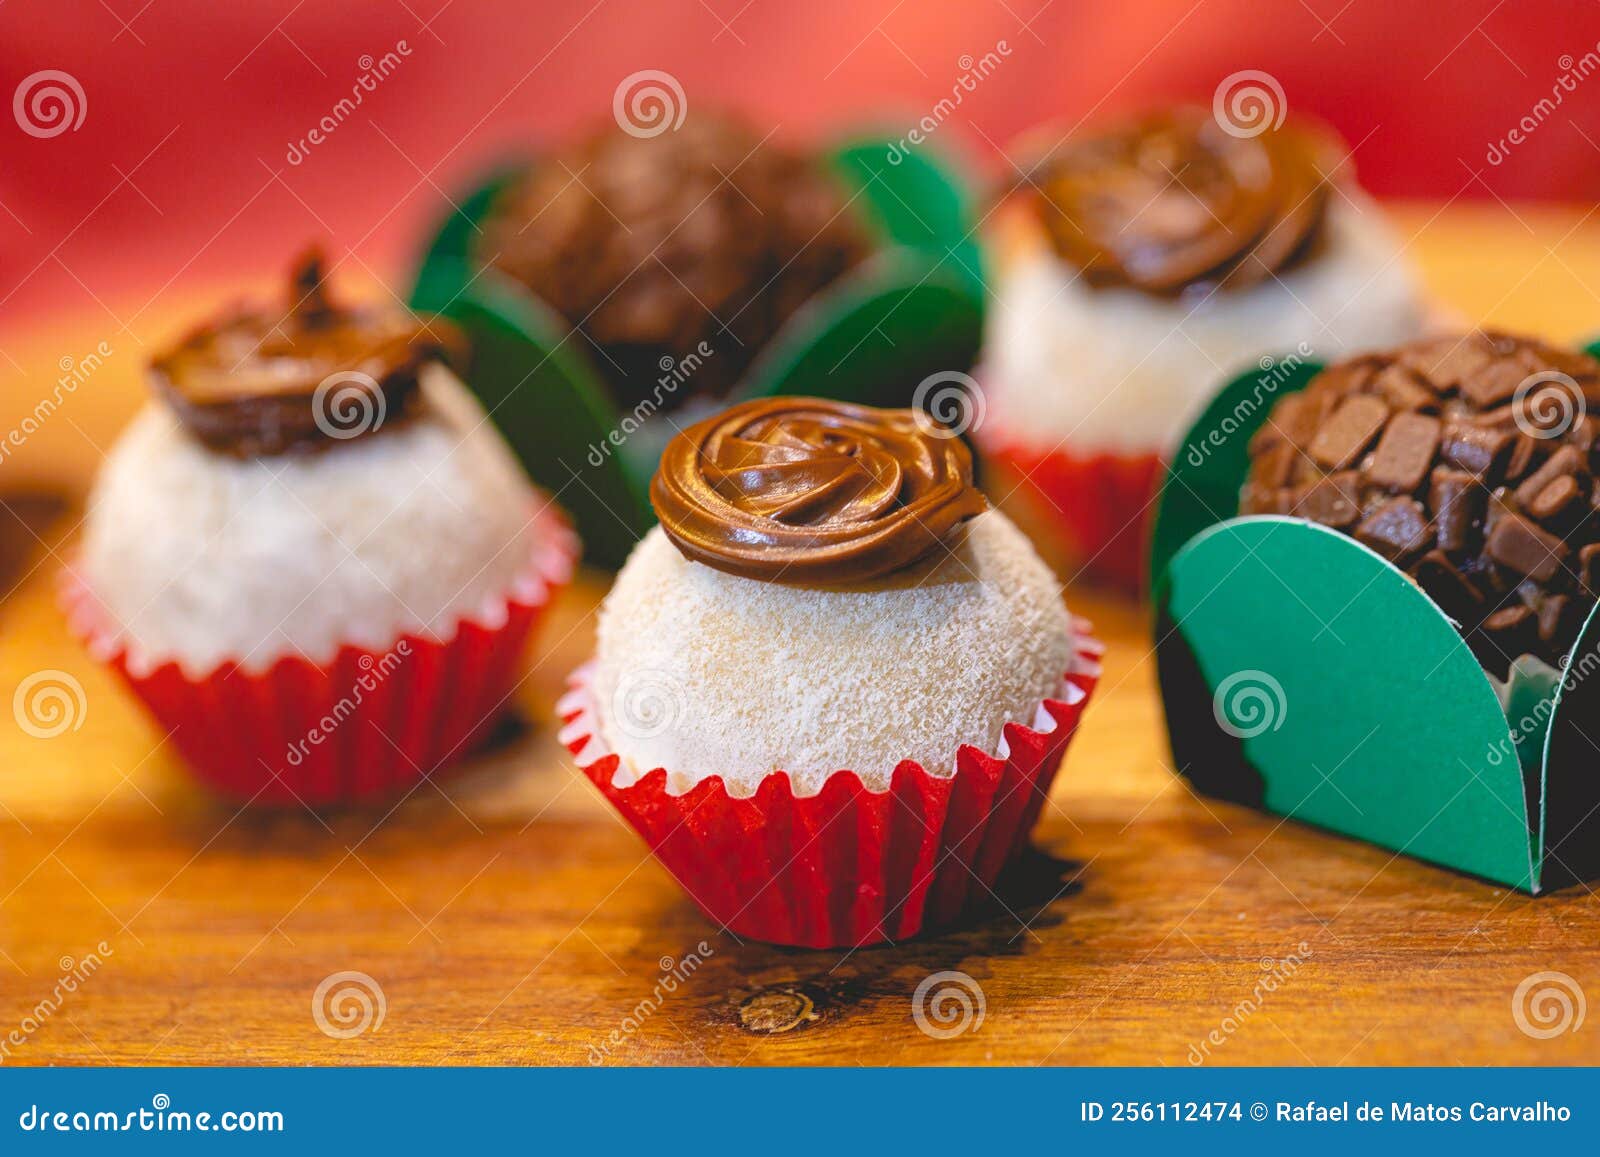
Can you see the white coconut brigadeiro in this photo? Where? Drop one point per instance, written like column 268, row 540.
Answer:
column 832, row 689
column 304, row 480
column 1146, row 264
column 827, row 592
column 705, row 673
column 1139, row 268
column 1121, row 370
column 312, row 558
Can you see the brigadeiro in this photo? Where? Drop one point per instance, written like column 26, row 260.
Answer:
column 655, row 248
column 311, row 556
column 1468, row 463
column 832, row 687
column 1136, row 267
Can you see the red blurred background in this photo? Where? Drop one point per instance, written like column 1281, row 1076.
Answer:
column 177, row 185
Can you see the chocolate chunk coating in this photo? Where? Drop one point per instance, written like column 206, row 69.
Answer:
column 1479, row 450
column 1398, row 530
column 1350, row 431
column 1519, row 545
column 1333, row 501
column 1469, row 462
column 1404, row 453
column 1550, row 503
column 1457, row 503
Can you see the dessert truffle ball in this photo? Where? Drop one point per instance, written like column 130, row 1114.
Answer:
column 658, row 248
column 1143, row 263
column 831, row 689
column 1467, row 462
column 310, row 477
column 826, row 592
column 1134, row 271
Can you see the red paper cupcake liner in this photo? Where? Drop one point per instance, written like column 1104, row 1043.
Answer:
column 848, row 866
column 1101, row 505
column 387, row 718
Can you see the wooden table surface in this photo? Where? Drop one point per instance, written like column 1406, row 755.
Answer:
column 507, row 917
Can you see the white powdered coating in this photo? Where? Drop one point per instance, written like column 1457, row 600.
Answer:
column 1118, row 369
column 706, row 673
column 200, row 557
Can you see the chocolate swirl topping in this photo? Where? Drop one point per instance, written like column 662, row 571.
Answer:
column 265, row 381
column 1173, row 201
column 811, row 492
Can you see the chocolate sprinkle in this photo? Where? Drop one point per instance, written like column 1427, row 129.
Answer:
column 1404, row 452
column 1351, row 431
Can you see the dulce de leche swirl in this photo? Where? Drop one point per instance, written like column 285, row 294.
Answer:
column 263, row 381
column 1174, row 200
column 811, row 492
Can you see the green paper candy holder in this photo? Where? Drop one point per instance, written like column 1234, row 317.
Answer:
column 1307, row 676
column 912, row 309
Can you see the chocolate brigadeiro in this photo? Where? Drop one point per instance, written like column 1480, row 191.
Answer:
column 267, row 381
column 1173, row 202
column 651, row 246
column 1469, row 463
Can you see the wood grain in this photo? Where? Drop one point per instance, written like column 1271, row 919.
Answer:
column 509, row 918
